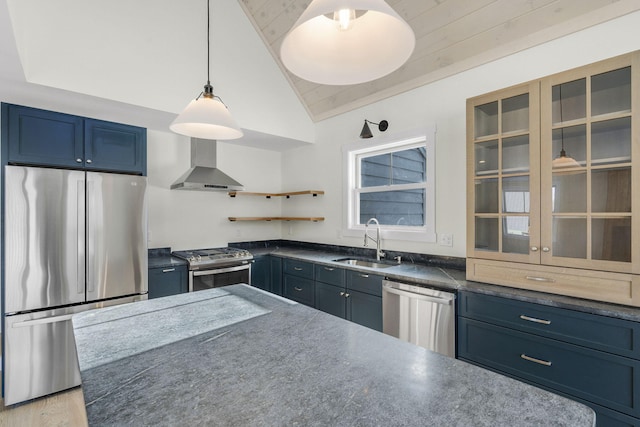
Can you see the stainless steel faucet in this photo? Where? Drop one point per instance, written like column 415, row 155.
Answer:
column 379, row 253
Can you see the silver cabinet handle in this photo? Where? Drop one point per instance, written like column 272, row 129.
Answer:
column 168, row 270
column 347, row 295
column 79, row 160
column 89, row 161
column 545, row 249
column 297, row 288
column 43, row 321
column 364, row 275
column 341, row 294
column 534, row 360
column 297, row 268
column 533, row 319
column 539, row 279
column 329, row 268
column 534, row 249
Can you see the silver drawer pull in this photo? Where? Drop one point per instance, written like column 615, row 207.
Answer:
column 329, row 268
column 533, row 319
column 168, row 270
column 534, row 360
column 295, row 288
column 364, row 275
column 297, row 268
column 539, row 279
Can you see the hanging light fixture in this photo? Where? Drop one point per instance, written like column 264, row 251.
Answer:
column 563, row 161
column 207, row 117
column 366, row 132
column 342, row 42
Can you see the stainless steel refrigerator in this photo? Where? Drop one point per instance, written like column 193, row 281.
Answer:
column 73, row 241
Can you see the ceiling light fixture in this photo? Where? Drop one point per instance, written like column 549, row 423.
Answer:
column 366, row 132
column 207, row 117
column 343, row 42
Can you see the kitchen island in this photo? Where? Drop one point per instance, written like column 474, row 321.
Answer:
column 240, row 356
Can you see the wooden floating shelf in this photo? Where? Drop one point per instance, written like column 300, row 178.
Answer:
column 314, row 193
column 275, row 218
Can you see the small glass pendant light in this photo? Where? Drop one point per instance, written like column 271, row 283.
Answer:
column 207, row 117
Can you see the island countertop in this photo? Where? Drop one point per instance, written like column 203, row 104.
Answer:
column 239, row 356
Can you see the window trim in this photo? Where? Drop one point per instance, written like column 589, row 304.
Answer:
column 424, row 137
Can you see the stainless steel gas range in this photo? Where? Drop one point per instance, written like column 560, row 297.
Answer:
column 216, row 267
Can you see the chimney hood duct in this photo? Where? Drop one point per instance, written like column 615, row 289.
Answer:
column 204, row 174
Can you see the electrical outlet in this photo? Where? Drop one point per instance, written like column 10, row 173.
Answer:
column 445, row 239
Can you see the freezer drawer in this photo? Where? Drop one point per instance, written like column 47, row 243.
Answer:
column 39, row 353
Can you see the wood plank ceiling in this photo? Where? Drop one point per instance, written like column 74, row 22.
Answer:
column 451, row 36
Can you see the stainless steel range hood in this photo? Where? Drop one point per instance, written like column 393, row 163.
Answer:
column 204, row 174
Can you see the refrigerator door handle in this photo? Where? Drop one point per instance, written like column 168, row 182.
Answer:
column 43, row 321
column 90, row 280
column 80, row 232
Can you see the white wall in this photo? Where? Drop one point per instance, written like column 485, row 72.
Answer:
column 441, row 103
column 198, row 219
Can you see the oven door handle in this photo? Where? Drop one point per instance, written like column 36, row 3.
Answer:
column 221, row 270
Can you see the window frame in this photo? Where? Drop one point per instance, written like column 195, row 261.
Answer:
column 398, row 142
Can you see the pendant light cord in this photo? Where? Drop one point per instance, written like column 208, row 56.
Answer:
column 208, row 41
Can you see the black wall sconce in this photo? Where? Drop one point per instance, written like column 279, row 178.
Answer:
column 366, row 132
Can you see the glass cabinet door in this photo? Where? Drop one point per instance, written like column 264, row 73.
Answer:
column 503, row 153
column 587, row 150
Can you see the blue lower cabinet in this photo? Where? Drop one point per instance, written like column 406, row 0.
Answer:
column 365, row 309
column 590, row 358
column 165, row 281
column 299, row 289
column 276, row 275
column 261, row 273
column 331, row 299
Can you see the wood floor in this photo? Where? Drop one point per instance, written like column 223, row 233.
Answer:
column 61, row 409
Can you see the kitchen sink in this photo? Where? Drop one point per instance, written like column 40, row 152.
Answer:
column 364, row 263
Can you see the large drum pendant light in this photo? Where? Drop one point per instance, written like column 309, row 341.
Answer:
column 342, row 42
column 207, row 117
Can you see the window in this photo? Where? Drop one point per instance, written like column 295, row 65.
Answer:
column 394, row 183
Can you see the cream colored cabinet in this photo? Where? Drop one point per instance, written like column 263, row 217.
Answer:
column 552, row 175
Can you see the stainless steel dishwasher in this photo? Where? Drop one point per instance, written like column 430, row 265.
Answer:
column 421, row 316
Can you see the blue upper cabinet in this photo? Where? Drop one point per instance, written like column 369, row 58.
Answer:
column 43, row 137
column 46, row 138
column 115, row 147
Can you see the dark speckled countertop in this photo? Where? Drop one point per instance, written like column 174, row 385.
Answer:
column 455, row 279
column 238, row 356
column 161, row 258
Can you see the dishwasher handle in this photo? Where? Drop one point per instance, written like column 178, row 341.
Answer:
column 446, row 299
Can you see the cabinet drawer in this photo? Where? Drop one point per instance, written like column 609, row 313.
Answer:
column 331, row 275
column 602, row 378
column 617, row 288
column 167, row 281
column 599, row 332
column 364, row 282
column 298, row 268
column 299, row 289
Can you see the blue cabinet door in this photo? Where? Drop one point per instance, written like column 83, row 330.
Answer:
column 331, row 299
column 364, row 309
column 165, row 281
column 115, row 147
column 39, row 137
column 260, row 273
column 276, row 274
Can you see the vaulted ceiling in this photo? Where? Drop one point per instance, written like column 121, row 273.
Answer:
column 451, row 36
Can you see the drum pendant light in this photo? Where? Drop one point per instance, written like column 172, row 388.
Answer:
column 343, row 42
column 207, row 117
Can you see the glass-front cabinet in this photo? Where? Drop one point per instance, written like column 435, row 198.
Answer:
column 553, row 176
column 504, row 148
